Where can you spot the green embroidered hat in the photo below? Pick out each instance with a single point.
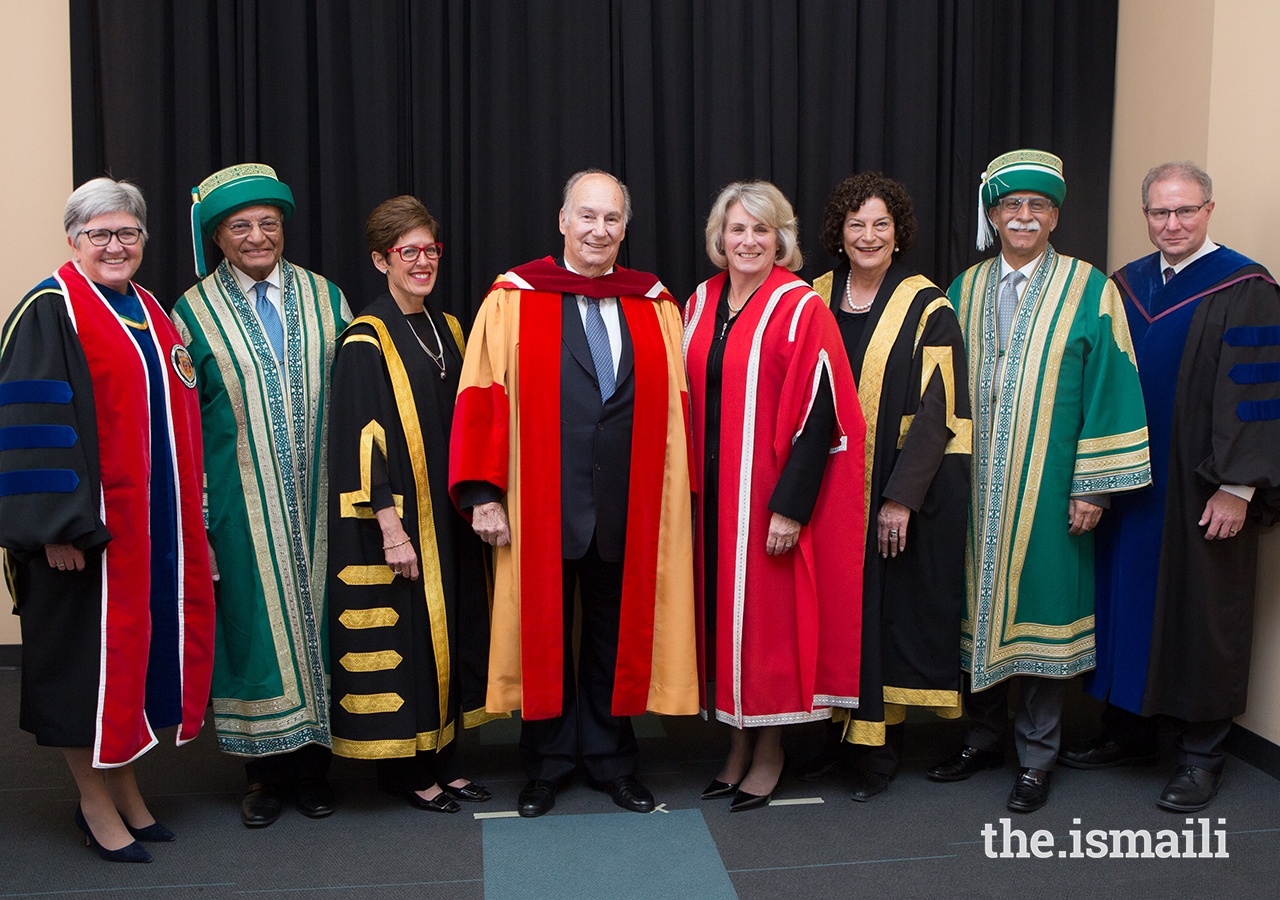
(1017, 170)
(231, 189)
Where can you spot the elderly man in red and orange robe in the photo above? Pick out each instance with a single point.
(570, 451)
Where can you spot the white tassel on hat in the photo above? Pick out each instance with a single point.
(985, 235)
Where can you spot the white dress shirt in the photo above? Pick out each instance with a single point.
(273, 288)
(609, 312)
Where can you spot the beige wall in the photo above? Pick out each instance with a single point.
(35, 155)
(1198, 79)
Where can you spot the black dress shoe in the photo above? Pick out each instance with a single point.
(536, 798)
(261, 806)
(468, 793)
(867, 784)
(1190, 789)
(718, 789)
(441, 802)
(1104, 753)
(742, 801)
(627, 792)
(314, 798)
(1030, 791)
(965, 763)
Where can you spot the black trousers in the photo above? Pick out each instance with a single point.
(309, 762)
(586, 732)
(1199, 743)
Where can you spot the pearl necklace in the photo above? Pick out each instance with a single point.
(848, 295)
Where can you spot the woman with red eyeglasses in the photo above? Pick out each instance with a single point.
(408, 606)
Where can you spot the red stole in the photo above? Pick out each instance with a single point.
(120, 392)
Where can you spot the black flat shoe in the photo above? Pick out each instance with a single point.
(261, 805)
(965, 763)
(1030, 790)
(1104, 753)
(441, 802)
(130, 853)
(742, 801)
(869, 784)
(154, 833)
(718, 789)
(537, 798)
(1190, 789)
(627, 792)
(314, 798)
(468, 793)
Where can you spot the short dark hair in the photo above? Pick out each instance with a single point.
(856, 190)
(395, 217)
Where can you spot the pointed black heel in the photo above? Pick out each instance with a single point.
(132, 853)
(742, 801)
(718, 789)
(154, 833)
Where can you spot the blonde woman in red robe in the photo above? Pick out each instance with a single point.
(778, 448)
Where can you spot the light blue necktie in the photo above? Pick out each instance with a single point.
(271, 323)
(601, 352)
(1007, 306)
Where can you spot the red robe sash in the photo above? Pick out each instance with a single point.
(479, 451)
(120, 393)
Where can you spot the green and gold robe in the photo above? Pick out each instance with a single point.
(266, 492)
(1062, 418)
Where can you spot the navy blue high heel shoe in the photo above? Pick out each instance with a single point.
(134, 853)
(154, 833)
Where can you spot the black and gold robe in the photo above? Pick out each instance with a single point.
(909, 363)
(408, 658)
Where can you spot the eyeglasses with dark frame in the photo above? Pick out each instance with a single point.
(1159, 215)
(241, 227)
(1038, 205)
(409, 252)
(100, 237)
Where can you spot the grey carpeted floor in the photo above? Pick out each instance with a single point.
(918, 840)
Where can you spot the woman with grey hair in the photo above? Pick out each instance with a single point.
(777, 435)
(100, 516)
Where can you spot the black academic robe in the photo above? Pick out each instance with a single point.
(1208, 352)
(918, 447)
(409, 658)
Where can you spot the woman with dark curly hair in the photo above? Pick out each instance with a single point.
(905, 346)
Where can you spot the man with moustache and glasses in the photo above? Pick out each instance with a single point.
(1059, 426)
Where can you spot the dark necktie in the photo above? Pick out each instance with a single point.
(601, 352)
(271, 323)
(1168, 274)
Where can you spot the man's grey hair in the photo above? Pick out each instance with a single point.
(1184, 169)
(578, 176)
(101, 196)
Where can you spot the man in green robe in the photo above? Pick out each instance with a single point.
(261, 334)
(1059, 426)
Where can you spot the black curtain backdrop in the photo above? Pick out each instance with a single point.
(483, 110)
